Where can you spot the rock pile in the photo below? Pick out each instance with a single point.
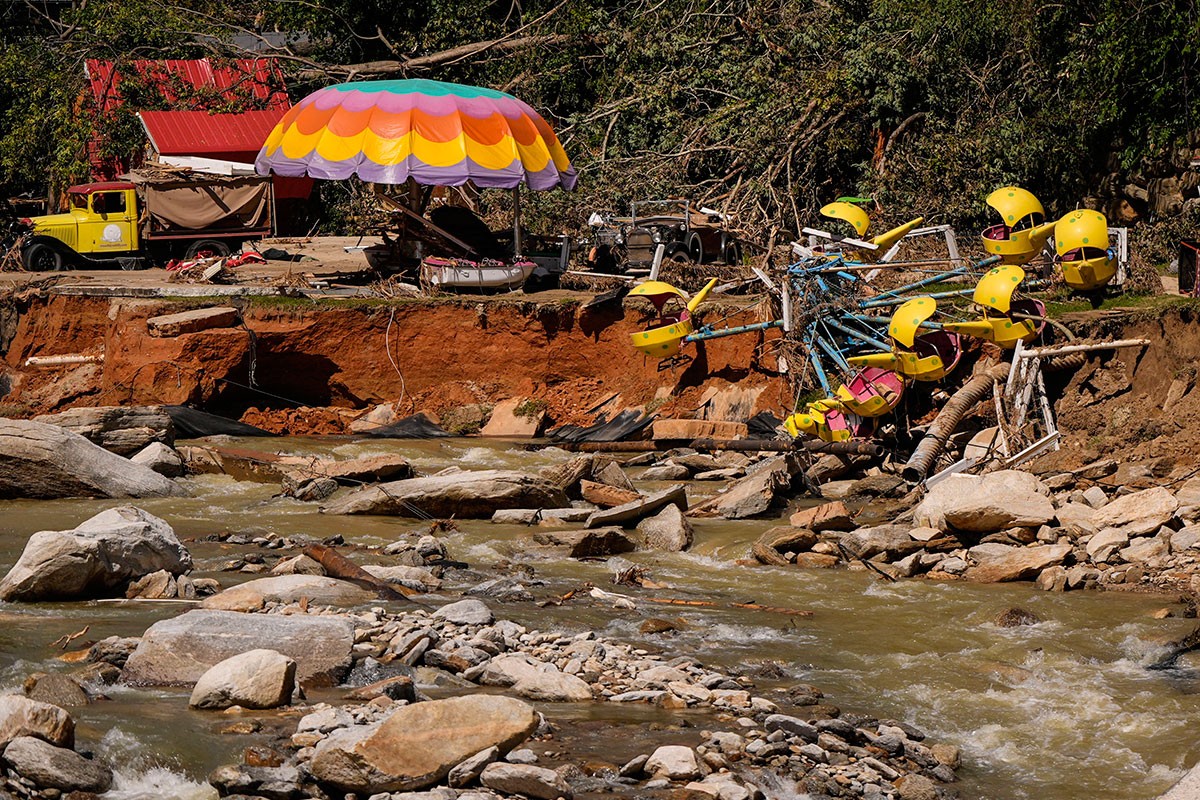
(1009, 526)
(463, 747)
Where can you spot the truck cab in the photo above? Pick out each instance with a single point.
(150, 217)
(100, 222)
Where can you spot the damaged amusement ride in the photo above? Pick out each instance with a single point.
(863, 330)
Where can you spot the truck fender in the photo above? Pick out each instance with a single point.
(70, 257)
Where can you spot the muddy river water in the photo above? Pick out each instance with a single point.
(1060, 710)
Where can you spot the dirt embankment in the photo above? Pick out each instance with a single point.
(291, 354)
(1139, 403)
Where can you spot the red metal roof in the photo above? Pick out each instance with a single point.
(104, 186)
(198, 133)
(249, 78)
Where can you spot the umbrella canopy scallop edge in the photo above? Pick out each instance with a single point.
(436, 133)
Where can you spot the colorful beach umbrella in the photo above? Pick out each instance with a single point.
(436, 133)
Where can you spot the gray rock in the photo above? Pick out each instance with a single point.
(56, 689)
(298, 565)
(890, 540)
(1185, 539)
(1020, 563)
(21, 716)
(177, 651)
(637, 509)
(1139, 512)
(319, 590)
(44, 461)
(753, 495)
(594, 543)
(254, 679)
(666, 472)
(509, 668)
(1076, 518)
(468, 771)
(462, 495)
(99, 556)
(793, 726)
(1095, 497)
(985, 503)
(674, 762)
(51, 767)
(417, 578)
(525, 779)
(530, 516)
(419, 744)
(553, 687)
(466, 612)
(160, 458)
(1101, 547)
(667, 530)
(123, 430)
(1147, 548)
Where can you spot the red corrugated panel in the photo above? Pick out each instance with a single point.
(259, 77)
(197, 133)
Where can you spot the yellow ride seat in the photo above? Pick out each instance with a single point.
(1081, 241)
(1022, 231)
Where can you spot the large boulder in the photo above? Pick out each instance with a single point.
(178, 651)
(95, 559)
(21, 716)
(44, 461)
(985, 503)
(254, 679)
(753, 495)
(253, 595)
(51, 767)
(162, 459)
(123, 430)
(469, 494)
(418, 745)
(667, 530)
(1138, 513)
(1018, 563)
(526, 780)
(638, 508)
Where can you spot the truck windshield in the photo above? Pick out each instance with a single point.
(79, 201)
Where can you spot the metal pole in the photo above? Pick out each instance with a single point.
(757, 326)
(1083, 348)
(516, 221)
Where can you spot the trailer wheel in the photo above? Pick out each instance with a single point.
(39, 257)
(206, 248)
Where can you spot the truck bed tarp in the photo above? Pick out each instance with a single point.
(211, 202)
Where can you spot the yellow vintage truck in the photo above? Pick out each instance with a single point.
(149, 219)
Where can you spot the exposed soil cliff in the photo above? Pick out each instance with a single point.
(292, 353)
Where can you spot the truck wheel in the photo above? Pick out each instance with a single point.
(680, 257)
(39, 257)
(206, 248)
(733, 253)
(696, 248)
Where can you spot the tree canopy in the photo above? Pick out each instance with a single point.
(766, 107)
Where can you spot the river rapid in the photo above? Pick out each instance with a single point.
(1060, 710)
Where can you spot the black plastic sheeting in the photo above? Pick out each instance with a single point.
(619, 428)
(191, 423)
(417, 426)
(763, 424)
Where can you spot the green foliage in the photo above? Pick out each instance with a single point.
(768, 108)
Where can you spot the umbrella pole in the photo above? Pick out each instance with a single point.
(516, 221)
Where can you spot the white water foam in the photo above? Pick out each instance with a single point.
(136, 776)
